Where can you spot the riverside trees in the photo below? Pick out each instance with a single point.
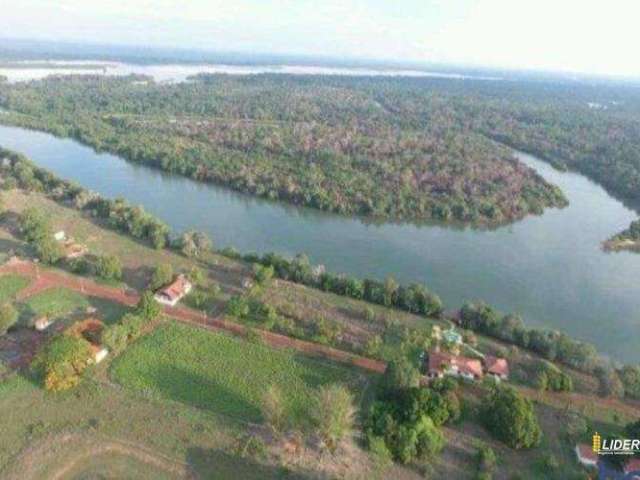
(393, 149)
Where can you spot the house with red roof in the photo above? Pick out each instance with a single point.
(174, 292)
(497, 367)
(586, 456)
(439, 364)
(633, 465)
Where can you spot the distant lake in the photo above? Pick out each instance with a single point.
(548, 268)
(170, 73)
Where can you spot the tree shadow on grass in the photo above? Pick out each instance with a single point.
(215, 464)
(179, 384)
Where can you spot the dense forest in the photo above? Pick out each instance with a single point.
(405, 149)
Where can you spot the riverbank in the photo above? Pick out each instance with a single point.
(528, 267)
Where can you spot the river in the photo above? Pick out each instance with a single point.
(549, 268)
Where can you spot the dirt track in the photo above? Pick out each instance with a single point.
(45, 279)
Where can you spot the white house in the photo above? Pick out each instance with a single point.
(42, 323)
(174, 292)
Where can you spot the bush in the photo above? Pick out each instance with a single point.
(400, 374)
(8, 317)
(147, 307)
(162, 275)
(486, 460)
(238, 307)
(63, 362)
(262, 274)
(273, 409)
(511, 418)
(108, 267)
(551, 378)
(630, 378)
(333, 414)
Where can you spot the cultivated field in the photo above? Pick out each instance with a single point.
(222, 374)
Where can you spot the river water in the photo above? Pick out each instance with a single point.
(548, 268)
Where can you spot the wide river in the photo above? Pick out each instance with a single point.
(549, 268)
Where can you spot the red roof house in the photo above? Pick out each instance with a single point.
(498, 367)
(443, 363)
(632, 465)
(173, 293)
(586, 455)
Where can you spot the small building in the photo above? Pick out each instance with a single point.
(452, 337)
(42, 323)
(498, 367)
(632, 466)
(74, 250)
(99, 353)
(60, 236)
(440, 364)
(174, 292)
(247, 283)
(586, 456)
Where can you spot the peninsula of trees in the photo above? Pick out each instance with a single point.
(392, 149)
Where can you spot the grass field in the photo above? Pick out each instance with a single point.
(222, 374)
(10, 285)
(58, 302)
(34, 444)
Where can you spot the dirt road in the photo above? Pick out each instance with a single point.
(44, 279)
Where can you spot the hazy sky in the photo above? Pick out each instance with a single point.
(599, 36)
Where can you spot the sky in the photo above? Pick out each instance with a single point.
(588, 36)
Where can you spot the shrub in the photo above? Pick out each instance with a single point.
(262, 273)
(147, 307)
(333, 414)
(486, 460)
(400, 374)
(108, 267)
(8, 317)
(273, 409)
(238, 307)
(63, 362)
(162, 275)
(511, 418)
(630, 378)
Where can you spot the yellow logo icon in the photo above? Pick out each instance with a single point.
(597, 442)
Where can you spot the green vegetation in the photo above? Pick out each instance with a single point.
(628, 239)
(8, 317)
(118, 214)
(38, 233)
(11, 284)
(389, 148)
(162, 275)
(63, 361)
(407, 419)
(549, 344)
(108, 267)
(511, 418)
(549, 377)
(333, 413)
(56, 302)
(219, 373)
(414, 298)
